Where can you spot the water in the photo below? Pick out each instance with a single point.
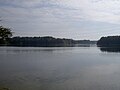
(59, 68)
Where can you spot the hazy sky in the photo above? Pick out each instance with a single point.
(77, 19)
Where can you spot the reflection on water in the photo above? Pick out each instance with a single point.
(59, 68)
(32, 49)
(110, 49)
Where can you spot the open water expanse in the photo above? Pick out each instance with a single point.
(59, 68)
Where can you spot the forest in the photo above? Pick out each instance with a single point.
(6, 39)
(109, 41)
(40, 41)
(46, 41)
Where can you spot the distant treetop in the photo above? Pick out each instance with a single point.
(5, 33)
(109, 41)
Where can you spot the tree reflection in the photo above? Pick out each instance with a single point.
(110, 49)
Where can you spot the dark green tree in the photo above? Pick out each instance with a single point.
(5, 34)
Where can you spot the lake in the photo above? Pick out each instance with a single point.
(59, 68)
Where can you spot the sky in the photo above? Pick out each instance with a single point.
(75, 19)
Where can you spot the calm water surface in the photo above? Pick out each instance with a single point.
(62, 68)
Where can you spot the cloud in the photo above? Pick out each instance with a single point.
(94, 10)
(59, 16)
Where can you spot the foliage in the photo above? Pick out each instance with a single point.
(109, 41)
(46, 42)
(5, 32)
(40, 41)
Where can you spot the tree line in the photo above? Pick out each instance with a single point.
(109, 41)
(47, 41)
(40, 41)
